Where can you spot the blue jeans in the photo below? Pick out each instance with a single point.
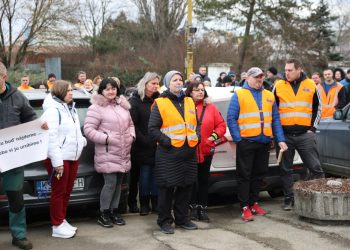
(147, 182)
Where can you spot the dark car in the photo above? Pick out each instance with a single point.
(88, 182)
(223, 178)
(333, 142)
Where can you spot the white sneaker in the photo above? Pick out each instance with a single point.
(69, 225)
(62, 231)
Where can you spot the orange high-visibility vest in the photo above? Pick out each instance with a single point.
(25, 87)
(249, 120)
(330, 100)
(295, 109)
(174, 126)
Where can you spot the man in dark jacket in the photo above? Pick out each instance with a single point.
(299, 106)
(14, 109)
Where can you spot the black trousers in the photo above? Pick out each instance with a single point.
(200, 188)
(181, 196)
(306, 146)
(133, 184)
(252, 159)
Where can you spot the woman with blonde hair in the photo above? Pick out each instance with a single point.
(144, 149)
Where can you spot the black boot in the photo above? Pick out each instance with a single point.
(154, 202)
(203, 213)
(144, 205)
(22, 243)
(116, 218)
(194, 212)
(104, 219)
(133, 208)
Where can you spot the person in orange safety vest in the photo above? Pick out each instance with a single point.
(173, 124)
(332, 94)
(299, 106)
(252, 119)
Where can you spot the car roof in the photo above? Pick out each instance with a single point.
(221, 93)
(40, 94)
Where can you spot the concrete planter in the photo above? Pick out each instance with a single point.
(314, 201)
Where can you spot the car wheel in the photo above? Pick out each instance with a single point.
(274, 193)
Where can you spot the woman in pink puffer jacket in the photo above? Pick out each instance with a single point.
(109, 125)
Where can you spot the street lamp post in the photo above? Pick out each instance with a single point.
(190, 31)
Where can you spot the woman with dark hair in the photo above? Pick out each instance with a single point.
(173, 125)
(65, 146)
(220, 82)
(338, 74)
(108, 124)
(144, 149)
(212, 127)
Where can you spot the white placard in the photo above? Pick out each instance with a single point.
(23, 144)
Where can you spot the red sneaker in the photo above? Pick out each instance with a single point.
(256, 209)
(247, 214)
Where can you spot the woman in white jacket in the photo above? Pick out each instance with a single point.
(66, 143)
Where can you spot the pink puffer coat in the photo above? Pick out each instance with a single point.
(110, 121)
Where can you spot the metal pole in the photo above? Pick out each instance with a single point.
(189, 41)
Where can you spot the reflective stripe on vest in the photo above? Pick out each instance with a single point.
(249, 121)
(330, 100)
(174, 126)
(295, 109)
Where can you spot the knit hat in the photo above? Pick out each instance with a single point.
(169, 75)
(273, 70)
(254, 72)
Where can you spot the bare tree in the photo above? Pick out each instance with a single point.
(94, 14)
(25, 23)
(162, 17)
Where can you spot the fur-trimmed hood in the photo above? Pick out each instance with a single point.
(103, 101)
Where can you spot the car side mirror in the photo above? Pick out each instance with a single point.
(338, 115)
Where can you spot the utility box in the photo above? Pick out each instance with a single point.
(214, 70)
(53, 65)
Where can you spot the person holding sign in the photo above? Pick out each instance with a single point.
(66, 143)
(252, 119)
(14, 109)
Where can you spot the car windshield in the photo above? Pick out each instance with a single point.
(222, 107)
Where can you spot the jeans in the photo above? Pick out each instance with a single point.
(147, 182)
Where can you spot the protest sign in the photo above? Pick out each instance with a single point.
(23, 144)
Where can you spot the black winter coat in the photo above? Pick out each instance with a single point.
(144, 148)
(15, 108)
(174, 166)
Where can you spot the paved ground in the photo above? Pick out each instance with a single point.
(277, 230)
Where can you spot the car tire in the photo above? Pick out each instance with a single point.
(274, 193)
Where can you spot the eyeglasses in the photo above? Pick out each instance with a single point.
(197, 90)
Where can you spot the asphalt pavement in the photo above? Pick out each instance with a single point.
(277, 230)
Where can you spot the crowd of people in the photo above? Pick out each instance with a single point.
(166, 139)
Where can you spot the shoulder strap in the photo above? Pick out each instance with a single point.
(59, 117)
(202, 115)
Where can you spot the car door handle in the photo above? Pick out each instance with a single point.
(318, 131)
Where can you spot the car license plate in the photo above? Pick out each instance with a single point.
(43, 187)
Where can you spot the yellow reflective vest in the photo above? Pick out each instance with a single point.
(174, 126)
(249, 120)
(295, 109)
